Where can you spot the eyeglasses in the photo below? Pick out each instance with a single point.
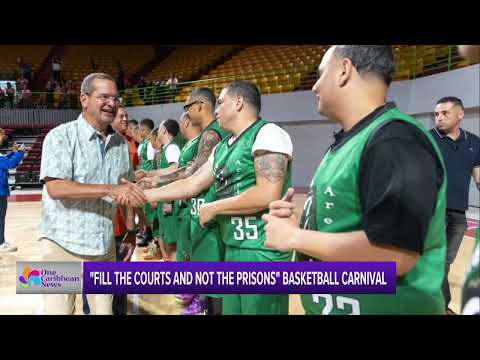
(187, 106)
(105, 98)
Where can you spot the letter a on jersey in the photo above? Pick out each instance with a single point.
(329, 191)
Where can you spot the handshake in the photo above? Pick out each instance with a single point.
(132, 194)
(128, 194)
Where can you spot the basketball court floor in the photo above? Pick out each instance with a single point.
(22, 229)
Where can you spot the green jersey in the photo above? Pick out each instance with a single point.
(181, 209)
(471, 287)
(163, 160)
(167, 222)
(197, 232)
(333, 206)
(146, 164)
(234, 171)
(187, 155)
(189, 152)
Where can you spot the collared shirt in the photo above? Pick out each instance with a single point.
(461, 156)
(76, 151)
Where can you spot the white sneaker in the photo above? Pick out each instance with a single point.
(5, 247)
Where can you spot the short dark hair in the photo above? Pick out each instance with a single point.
(206, 94)
(453, 99)
(155, 132)
(171, 126)
(373, 59)
(249, 91)
(133, 122)
(148, 123)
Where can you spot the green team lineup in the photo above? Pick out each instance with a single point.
(218, 186)
(234, 182)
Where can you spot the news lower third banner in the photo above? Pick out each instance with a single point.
(239, 277)
(208, 278)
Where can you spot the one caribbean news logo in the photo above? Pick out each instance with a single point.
(30, 277)
(49, 277)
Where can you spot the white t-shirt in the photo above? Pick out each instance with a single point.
(172, 153)
(150, 151)
(271, 137)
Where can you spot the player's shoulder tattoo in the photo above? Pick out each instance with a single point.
(272, 166)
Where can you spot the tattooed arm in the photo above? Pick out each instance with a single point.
(206, 144)
(270, 170)
(185, 188)
(153, 181)
(173, 168)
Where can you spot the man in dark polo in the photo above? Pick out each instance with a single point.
(461, 152)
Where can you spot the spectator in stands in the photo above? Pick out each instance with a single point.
(3, 98)
(28, 72)
(172, 80)
(172, 84)
(57, 96)
(71, 95)
(22, 81)
(21, 67)
(24, 70)
(10, 161)
(57, 69)
(26, 97)
(49, 88)
(10, 95)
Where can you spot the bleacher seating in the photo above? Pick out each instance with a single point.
(275, 68)
(77, 61)
(186, 61)
(31, 54)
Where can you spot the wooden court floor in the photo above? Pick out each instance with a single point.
(22, 229)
